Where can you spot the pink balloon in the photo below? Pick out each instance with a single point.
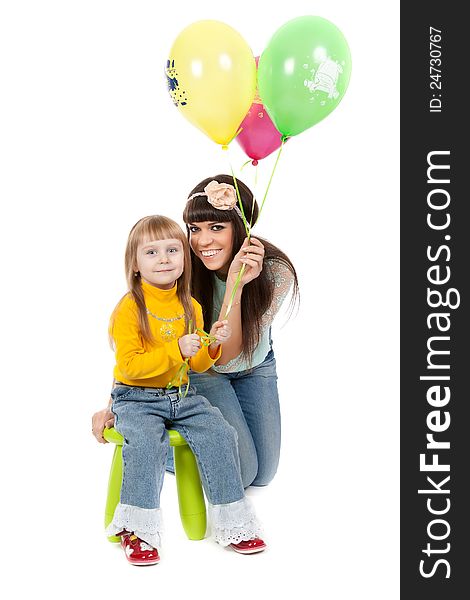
(259, 137)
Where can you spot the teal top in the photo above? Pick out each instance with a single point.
(283, 279)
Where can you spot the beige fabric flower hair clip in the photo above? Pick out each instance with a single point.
(221, 196)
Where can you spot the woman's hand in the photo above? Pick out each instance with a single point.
(189, 344)
(222, 331)
(251, 254)
(100, 420)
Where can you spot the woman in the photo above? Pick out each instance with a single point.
(243, 383)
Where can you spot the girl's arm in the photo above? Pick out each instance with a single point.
(132, 358)
(251, 254)
(207, 355)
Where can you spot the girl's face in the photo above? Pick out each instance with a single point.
(212, 242)
(160, 262)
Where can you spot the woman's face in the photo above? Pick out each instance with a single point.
(212, 242)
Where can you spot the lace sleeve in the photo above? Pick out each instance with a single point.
(283, 280)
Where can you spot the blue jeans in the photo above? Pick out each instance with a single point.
(249, 402)
(141, 416)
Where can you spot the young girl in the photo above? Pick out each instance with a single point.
(151, 330)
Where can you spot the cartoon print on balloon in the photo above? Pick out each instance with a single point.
(324, 79)
(177, 95)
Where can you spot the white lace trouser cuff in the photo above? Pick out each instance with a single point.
(233, 523)
(145, 523)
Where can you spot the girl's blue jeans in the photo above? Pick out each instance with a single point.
(142, 415)
(249, 402)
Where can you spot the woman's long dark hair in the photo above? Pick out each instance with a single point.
(258, 294)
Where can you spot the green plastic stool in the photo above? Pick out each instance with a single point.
(190, 496)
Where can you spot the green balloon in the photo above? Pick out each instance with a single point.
(303, 73)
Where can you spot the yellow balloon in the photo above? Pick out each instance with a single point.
(211, 76)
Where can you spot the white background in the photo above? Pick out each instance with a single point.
(90, 142)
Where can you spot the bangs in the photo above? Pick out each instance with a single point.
(198, 210)
(157, 227)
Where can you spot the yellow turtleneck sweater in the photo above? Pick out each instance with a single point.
(154, 365)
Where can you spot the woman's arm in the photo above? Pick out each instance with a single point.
(283, 280)
(251, 254)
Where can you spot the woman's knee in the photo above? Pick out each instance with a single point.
(265, 474)
(248, 473)
(226, 433)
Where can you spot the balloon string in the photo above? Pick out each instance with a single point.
(272, 174)
(248, 235)
(240, 203)
(177, 381)
(235, 287)
(206, 338)
(254, 188)
(248, 227)
(254, 196)
(182, 371)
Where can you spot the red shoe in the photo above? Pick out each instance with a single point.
(137, 551)
(250, 546)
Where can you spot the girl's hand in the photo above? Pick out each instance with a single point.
(189, 344)
(222, 331)
(100, 420)
(251, 254)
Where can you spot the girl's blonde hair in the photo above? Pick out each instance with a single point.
(155, 227)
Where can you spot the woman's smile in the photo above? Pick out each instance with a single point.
(209, 253)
